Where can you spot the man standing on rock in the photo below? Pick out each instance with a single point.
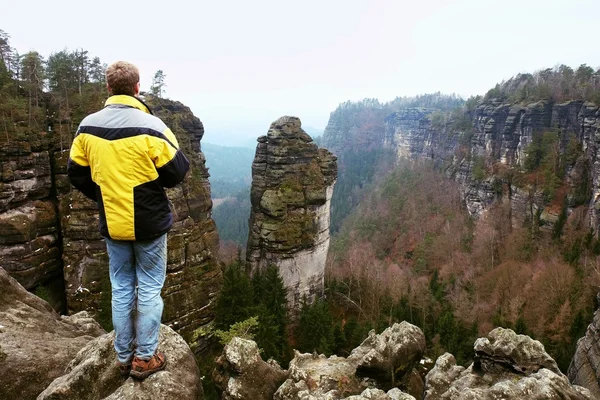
(123, 157)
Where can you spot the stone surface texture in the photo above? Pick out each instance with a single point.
(36, 344)
(241, 373)
(292, 185)
(29, 230)
(389, 357)
(94, 375)
(585, 365)
(506, 366)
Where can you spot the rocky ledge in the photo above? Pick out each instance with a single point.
(93, 374)
(506, 366)
(36, 344)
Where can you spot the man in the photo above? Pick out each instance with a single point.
(123, 157)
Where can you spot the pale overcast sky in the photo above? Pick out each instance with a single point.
(239, 65)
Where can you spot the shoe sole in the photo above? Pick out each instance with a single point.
(145, 374)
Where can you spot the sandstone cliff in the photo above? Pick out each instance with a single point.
(497, 134)
(36, 344)
(585, 366)
(292, 185)
(49, 231)
(30, 240)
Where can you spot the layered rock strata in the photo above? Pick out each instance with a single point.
(30, 247)
(292, 185)
(36, 344)
(94, 375)
(497, 133)
(506, 366)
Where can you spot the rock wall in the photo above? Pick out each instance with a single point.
(499, 134)
(292, 185)
(30, 245)
(49, 230)
(585, 365)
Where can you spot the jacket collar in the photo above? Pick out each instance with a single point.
(129, 101)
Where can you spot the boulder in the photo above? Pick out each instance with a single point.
(507, 366)
(319, 377)
(242, 374)
(36, 344)
(389, 358)
(94, 375)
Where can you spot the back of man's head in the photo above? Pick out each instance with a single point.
(122, 78)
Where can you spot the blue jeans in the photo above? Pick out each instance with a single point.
(136, 312)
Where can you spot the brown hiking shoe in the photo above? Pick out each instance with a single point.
(141, 369)
(124, 368)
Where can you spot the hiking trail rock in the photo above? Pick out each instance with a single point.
(94, 375)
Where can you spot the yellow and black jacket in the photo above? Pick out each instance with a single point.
(123, 157)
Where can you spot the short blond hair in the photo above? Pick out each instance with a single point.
(121, 78)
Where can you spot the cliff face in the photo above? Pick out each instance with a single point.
(292, 185)
(585, 366)
(49, 231)
(497, 135)
(29, 232)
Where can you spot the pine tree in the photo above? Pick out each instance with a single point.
(234, 303)
(158, 83)
(315, 331)
(270, 299)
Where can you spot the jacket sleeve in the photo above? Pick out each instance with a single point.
(171, 164)
(79, 171)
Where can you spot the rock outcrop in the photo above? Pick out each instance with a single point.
(93, 374)
(242, 374)
(390, 357)
(49, 231)
(506, 366)
(36, 344)
(292, 185)
(29, 230)
(585, 365)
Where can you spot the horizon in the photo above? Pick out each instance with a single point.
(241, 66)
